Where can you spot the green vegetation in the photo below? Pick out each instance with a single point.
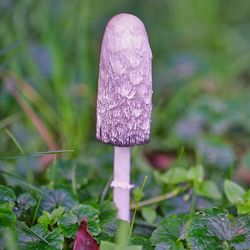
(53, 173)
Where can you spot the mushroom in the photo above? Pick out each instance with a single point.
(124, 100)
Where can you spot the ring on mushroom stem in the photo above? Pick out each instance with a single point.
(121, 184)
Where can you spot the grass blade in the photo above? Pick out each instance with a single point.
(8, 120)
(36, 154)
(19, 223)
(16, 142)
(20, 179)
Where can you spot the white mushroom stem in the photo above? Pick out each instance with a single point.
(121, 182)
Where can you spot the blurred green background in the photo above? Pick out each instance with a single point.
(49, 55)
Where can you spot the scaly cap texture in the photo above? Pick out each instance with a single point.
(124, 101)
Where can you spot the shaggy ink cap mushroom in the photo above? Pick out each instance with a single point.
(124, 101)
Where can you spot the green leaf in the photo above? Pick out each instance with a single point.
(209, 189)
(45, 219)
(170, 246)
(196, 174)
(92, 216)
(234, 192)
(56, 215)
(25, 201)
(52, 240)
(109, 229)
(6, 194)
(141, 241)
(7, 216)
(243, 208)
(53, 199)
(108, 211)
(246, 197)
(68, 224)
(207, 229)
(169, 231)
(212, 227)
(149, 214)
(105, 245)
(241, 237)
(175, 175)
(109, 223)
(51, 219)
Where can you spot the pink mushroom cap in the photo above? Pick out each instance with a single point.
(124, 101)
